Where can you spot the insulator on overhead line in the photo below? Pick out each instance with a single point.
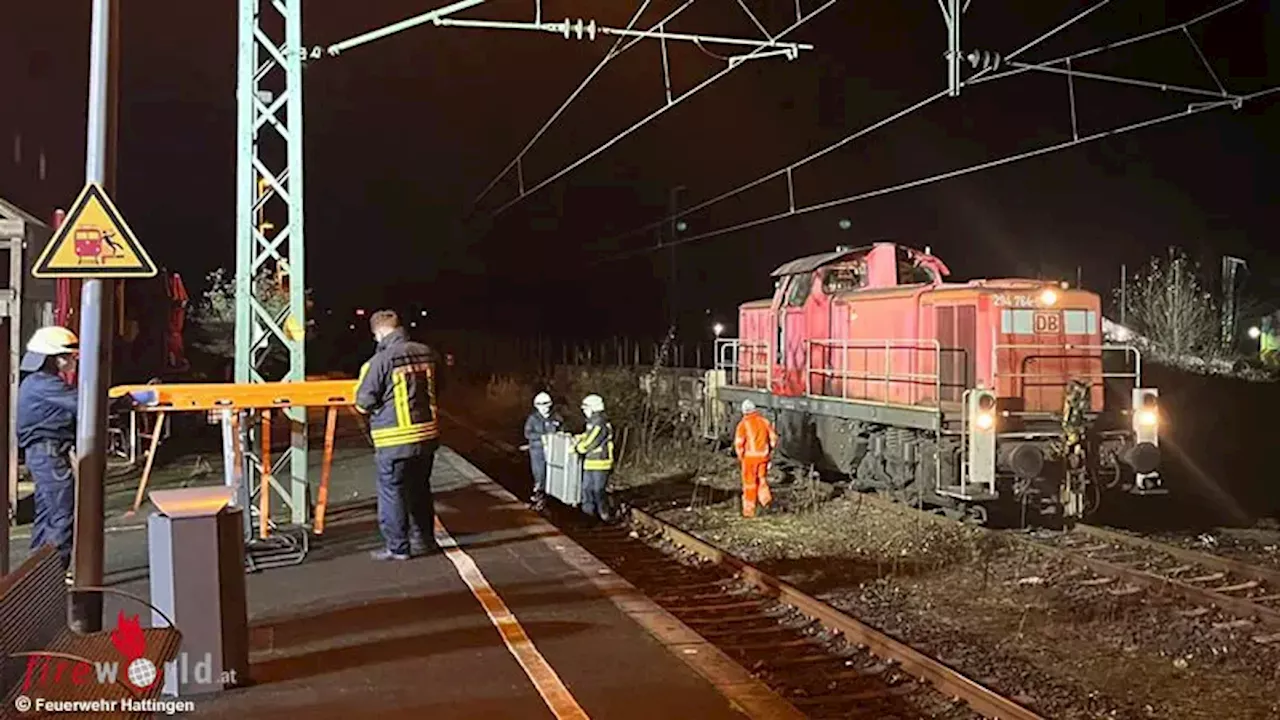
(984, 59)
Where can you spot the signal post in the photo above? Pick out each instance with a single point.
(96, 245)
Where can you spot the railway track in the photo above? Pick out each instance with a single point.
(1126, 564)
(1250, 592)
(826, 663)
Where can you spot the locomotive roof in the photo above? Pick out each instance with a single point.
(809, 263)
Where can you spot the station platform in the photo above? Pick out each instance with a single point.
(512, 620)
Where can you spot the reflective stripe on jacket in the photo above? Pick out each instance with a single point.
(596, 444)
(397, 389)
(755, 437)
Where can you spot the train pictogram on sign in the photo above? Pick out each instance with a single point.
(94, 241)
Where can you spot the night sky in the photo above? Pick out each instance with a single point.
(402, 133)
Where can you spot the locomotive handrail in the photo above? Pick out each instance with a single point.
(1107, 347)
(728, 359)
(888, 346)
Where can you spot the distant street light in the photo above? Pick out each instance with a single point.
(717, 329)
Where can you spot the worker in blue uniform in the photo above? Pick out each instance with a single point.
(397, 390)
(46, 433)
(595, 445)
(541, 422)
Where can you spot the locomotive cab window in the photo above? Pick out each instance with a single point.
(909, 273)
(798, 289)
(844, 278)
(1079, 322)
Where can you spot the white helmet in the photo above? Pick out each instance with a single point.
(748, 406)
(45, 343)
(542, 400)
(53, 340)
(593, 404)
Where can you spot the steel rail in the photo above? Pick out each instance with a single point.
(945, 679)
(1217, 562)
(1195, 593)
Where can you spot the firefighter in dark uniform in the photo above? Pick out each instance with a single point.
(595, 445)
(540, 423)
(46, 432)
(397, 389)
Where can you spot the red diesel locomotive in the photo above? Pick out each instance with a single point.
(962, 396)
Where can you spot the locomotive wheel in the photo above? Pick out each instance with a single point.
(976, 514)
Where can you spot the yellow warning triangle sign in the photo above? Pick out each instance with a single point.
(94, 242)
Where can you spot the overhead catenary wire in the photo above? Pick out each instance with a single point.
(1194, 109)
(982, 76)
(621, 45)
(757, 52)
(894, 117)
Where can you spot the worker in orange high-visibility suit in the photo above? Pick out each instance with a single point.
(754, 442)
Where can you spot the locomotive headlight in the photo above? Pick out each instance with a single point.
(1148, 418)
(1048, 297)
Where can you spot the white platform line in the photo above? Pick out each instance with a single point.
(549, 685)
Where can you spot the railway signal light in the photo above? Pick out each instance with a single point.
(980, 460)
(1146, 414)
(984, 60)
(1144, 456)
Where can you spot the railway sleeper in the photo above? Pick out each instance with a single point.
(752, 647)
(1246, 585)
(672, 597)
(775, 662)
(717, 607)
(754, 617)
(1206, 578)
(775, 629)
(862, 696)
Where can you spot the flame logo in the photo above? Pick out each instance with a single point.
(128, 638)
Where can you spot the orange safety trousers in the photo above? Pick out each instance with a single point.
(755, 485)
(754, 442)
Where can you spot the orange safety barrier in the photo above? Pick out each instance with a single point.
(259, 397)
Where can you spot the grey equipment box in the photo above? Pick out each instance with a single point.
(564, 469)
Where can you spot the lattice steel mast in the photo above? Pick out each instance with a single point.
(269, 167)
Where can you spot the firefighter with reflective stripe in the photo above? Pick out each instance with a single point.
(754, 442)
(1268, 346)
(540, 423)
(397, 390)
(595, 445)
(46, 432)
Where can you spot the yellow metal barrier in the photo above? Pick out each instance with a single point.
(232, 399)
